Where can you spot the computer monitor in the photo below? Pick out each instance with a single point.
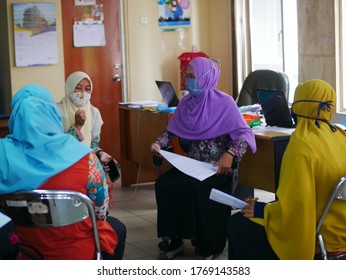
(275, 108)
(168, 93)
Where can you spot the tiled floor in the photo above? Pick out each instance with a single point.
(136, 208)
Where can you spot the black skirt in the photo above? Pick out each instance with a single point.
(185, 210)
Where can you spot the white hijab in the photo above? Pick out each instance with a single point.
(68, 109)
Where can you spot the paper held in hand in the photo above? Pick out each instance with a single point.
(4, 219)
(226, 199)
(194, 168)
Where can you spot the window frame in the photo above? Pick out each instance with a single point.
(245, 47)
(340, 55)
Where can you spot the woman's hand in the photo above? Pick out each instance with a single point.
(104, 158)
(155, 149)
(224, 163)
(80, 118)
(248, 210)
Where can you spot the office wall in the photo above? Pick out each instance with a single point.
(153, 54)
(5, 79)
(316, 39)
(49, 76)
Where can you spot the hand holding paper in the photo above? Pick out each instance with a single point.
(194, 168)
(226, 199)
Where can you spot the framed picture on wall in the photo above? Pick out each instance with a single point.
(35, 38)
(173, 14)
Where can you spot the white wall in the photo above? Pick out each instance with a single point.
(153, 54)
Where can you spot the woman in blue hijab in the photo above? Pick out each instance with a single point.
(37, 154)
(217, 132)
(35, 132)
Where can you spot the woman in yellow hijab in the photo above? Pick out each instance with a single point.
(312, 164)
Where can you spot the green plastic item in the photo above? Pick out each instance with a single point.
(255, 123)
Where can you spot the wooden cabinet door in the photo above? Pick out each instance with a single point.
(99, 63)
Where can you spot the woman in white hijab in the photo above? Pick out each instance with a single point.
(81, 119)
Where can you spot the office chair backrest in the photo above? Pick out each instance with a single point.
(261, 79)
(50, 208)
(339, 193)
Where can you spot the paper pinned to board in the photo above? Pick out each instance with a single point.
(226, 199)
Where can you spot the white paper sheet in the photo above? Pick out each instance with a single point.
(89, 35)
(4, 219)
(226, 199)
(194, 168)
(138, 104)
(288, 131)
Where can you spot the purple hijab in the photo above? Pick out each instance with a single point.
(211, 114)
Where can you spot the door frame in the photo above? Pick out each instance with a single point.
(122, 36)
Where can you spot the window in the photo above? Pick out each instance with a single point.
(340, 44)
(271, 26)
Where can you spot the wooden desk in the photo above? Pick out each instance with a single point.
(139, 129)
(3, 127)
(262, 169)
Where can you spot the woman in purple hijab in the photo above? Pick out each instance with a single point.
(217, 133)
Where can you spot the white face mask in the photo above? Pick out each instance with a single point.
(79, 99)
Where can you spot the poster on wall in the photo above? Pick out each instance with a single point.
(35, 38)
(173, 14)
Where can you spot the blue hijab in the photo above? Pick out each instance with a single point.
(36, 148)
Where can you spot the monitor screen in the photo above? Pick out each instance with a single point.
(275, 107)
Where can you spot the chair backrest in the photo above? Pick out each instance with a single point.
(261, 79)
(50, 208)
(339, 193)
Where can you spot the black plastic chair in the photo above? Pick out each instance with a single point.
(262, 79)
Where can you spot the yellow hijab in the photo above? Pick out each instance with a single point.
(68, 109)
(312, 164)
